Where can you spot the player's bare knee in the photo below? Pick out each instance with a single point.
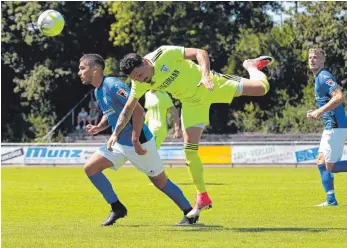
(159, 181)
(91, 169)
(320, 159)
(88, 169)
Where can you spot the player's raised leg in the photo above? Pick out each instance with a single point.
(93, 168)
(257, 84)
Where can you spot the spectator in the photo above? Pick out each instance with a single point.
(82, 117)
(92, 104)
(93, 116)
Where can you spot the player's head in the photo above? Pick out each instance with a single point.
(91, 65)
(316, 58)
(136, 67)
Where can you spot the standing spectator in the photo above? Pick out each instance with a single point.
(82, 117)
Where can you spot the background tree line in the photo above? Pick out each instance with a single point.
(39, 74)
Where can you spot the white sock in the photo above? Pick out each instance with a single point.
(255, 74)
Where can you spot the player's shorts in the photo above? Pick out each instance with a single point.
(150, 163)
(197, 111)
(332, 144)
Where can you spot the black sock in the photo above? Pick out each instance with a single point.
(187, 211)
(117, 205)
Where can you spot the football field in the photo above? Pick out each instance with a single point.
(252, 207)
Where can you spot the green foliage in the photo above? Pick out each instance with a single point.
(39, 74)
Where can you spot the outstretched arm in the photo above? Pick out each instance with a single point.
(176, 117)
(123, 120)
(203, 60)
(125, 115)
(137, 120)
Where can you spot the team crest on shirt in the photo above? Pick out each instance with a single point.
(164, 68)
(122, 93)
(330, 82)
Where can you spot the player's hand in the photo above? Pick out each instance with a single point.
(138, 147)
(207, 82)
(92, 130)
(178, 133)
(314, 114)
(113, 139)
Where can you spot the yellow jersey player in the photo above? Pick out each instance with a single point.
(158, 104)
(171, 69)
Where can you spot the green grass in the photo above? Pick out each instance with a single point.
(253, 207)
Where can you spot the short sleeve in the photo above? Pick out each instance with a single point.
(175, 52)
(328, 83)
(167, 100)
(138, 89)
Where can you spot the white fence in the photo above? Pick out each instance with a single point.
(233, 153)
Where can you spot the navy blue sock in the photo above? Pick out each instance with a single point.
(340, 166)
(101, 182)
(176, 194)
(328, 182)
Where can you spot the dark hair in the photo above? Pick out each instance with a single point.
(93, 59)
(130, 62)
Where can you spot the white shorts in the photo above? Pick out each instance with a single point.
(150, 163)
(332, 144)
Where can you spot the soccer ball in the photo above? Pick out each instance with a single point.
(51, 22)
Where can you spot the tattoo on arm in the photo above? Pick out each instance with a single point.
(125, 115)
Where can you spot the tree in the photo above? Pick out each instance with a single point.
(40, 75)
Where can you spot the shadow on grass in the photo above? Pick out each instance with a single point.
(217, 184)
(207, 228)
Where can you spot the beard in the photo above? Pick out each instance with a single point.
(88, 81)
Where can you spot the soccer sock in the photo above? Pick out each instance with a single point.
(328, 182)
(101, 182)
(176, 194)
(255, 74)
(194, 166)
(340, 166)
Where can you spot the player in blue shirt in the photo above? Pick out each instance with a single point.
(135, 143)
(329, 100)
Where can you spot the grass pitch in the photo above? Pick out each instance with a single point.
(252, 207)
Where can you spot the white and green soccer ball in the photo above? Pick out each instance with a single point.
(51, 22)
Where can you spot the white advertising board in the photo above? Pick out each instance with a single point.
(47, 154)
(262, 154)
(277, 154)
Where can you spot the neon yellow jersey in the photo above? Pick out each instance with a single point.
(173, 74)
(157, 104)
